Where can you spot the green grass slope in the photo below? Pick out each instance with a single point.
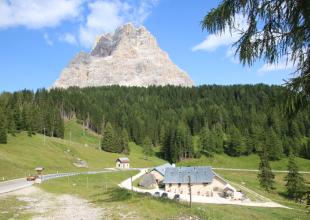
(78, 134)
(22, 154)
(243, 162)
(102, 190)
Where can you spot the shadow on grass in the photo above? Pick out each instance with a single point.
(123, 195)
(112, 195)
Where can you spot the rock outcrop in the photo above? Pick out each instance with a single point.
(129, 57)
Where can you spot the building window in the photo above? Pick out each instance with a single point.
(205, 184)
(170, 184)
(179, 184)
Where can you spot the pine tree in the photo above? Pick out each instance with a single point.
(206, 142)
(211, 141)
(3, 132)
(274, 145)
(259, 40)
(121, 142)
(147, 147)
(107, 143)
(265, 175)
(125, 142)
(235, 145)
(11, 123)
(294, 180)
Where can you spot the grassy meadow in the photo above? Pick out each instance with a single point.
(22, 153)
(250, 181)
(102, 190)
(245, 162)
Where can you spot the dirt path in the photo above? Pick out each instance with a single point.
(50, 206)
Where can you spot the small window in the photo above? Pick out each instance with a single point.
(170, 184)
(179, 184)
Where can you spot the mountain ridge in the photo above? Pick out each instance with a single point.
(129, 56)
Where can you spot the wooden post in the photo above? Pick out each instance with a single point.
(190, 191)
(44, 136)
(70, 139)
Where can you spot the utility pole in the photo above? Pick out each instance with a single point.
(44, 135)
(70, 138)
(131, 184)
(190, 191)
(87, 183)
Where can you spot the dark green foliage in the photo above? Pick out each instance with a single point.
(3, 132)
(148, 147)
(244, 117)
(34, 113)
(275, 30)
(265, 175)
(178, 144)
(294, 181)
(125, 142)
(114, 141)
(273, 145)
(305, 150)
(235, 145)
(211, 141)
(108, 139)
(121, 142)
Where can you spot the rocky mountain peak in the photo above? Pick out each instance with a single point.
(128, 56)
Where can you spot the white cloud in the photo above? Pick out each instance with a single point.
(92, 17)
(227, 38)
(281, 65)
(68, 38)
(106, 15)
(37, 14)
(231, 54)
(47, 39)
(212, 42)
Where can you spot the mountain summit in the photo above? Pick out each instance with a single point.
(129, 56)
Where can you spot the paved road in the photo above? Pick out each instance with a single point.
(16, 184)
(12, 185)
(253, 170)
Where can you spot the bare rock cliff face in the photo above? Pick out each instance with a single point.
(129, 57)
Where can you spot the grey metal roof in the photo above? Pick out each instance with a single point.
(147, 180)
(123, 159)
(161, 169)
(199, 174)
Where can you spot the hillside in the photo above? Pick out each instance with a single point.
(22, 153)
(243, 162)
(236, 120)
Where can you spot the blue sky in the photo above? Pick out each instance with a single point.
(39, 37)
